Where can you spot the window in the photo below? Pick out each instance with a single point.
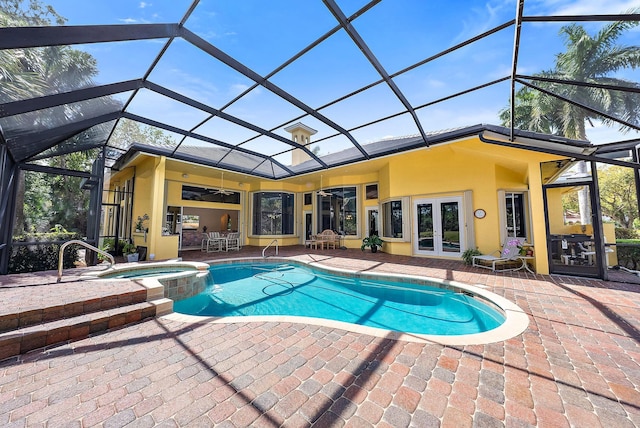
(337, 210)
(371, 191)
(392, 217)
(307, 198)
(192, 193)
(190, 222)
(514, 216)
(273, 213)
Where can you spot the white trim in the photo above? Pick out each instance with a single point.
(302, 126)
(469, 219)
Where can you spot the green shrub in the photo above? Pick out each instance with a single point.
(108, 245)
(624, 233)
(39, 254)
(628, 253)
(467, 256)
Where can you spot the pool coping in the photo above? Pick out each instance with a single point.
(131, 267)
(516, 320)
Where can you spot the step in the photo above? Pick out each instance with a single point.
(30, 317)
(29, 338)
(24, 306)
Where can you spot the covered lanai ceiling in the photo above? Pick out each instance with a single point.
(216, 83)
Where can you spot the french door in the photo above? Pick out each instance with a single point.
(438, 227)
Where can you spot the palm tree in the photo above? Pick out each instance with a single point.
(33, 72)
(588, 59)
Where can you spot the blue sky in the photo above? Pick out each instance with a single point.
(263, 34)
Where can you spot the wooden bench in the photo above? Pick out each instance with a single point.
(328, 238)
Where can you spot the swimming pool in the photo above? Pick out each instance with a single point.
(391, 304)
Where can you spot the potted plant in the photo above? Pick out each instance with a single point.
(131, 252)
(468, 255)
(372, 241)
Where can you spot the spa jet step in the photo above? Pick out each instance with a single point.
(49, 334)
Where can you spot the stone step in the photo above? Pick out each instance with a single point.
(26, 315)
(55, 332)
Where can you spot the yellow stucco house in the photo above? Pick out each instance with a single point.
(466, 189)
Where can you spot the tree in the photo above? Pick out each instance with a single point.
(21, 69)
(588, 59)
(618, 195)
(45, 200)
(129, 132)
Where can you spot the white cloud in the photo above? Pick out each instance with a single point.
(481, 19)
(128, 20)
(434, 83)
(238, 88)
(581, 7)
(600, 133)
(144, 4)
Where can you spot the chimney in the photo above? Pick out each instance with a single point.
(301, 134)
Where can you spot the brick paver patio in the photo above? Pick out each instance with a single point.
(577, 364)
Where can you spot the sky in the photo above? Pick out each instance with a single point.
(264, 34)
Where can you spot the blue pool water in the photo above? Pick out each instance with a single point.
(284, 289)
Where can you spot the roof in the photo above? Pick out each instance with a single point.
(218, 84)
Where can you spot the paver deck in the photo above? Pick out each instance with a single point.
(577, 364)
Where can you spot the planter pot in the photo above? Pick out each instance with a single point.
(132, 257)
(374, 248)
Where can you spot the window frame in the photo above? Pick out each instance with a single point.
(307, 196)
(343, 214)
(209, 195)
(291, 216)
(405, 218)
(504, 195)
(366, 191)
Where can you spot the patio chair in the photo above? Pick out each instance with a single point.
(233, 241)
(587, 253)
(509, 257)
(215, 242)
(205, 242)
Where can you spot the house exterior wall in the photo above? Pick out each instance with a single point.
(464, 167)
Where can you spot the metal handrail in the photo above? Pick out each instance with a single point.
(84, 244)
(267, 247)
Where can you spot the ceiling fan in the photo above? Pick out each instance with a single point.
(321, 192)
(222, 190)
